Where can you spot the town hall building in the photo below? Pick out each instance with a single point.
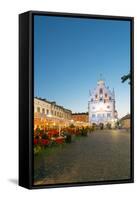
(101, 106)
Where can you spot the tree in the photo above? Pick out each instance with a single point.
(126, 77)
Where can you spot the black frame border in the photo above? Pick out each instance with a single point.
(26, 51)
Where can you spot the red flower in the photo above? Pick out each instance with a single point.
(35, 141)
(44, 142)
(53, 132)
(59, 140)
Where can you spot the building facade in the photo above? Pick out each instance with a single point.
(48, 112)
(81, 117)
(49, 108)
(125, 121)
(101, 105)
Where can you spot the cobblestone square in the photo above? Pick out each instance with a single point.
(102, 155)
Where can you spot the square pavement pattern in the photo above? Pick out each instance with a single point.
(103, 155)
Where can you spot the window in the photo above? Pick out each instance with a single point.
(93, 107)
(108, 115)
(43, 110)
(109, 98)
(96, 96)
(91, 99)
(47, 111)
(100, 99)
(93, 115)
(38, 109)
(101, 91)
(108, 107)
(106, 95)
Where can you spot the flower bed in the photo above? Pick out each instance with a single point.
(48, 138)
(44, 142)
(58, 140)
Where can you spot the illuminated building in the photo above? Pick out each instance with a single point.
(81, 117)
(49, 113)
(101, 105)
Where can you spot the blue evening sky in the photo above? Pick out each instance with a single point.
(71, 53)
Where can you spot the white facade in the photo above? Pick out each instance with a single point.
(101, 105)
(47, 108)
(41, 106)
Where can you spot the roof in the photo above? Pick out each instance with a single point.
(53, 103)
(45, 100)
(125, 117)
(83, 113)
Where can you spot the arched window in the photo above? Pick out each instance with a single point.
(43, 110)
(101, 91)
(100, 99)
